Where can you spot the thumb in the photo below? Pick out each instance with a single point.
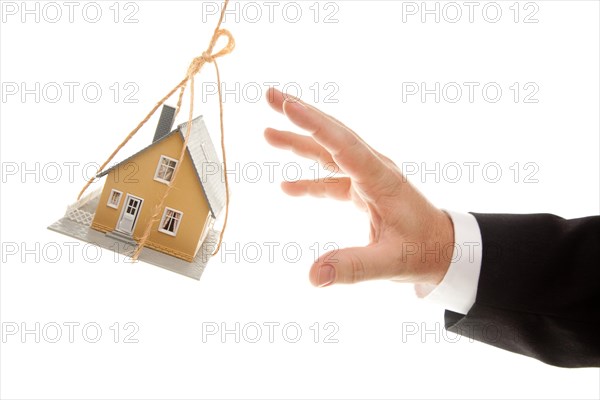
(350, 265)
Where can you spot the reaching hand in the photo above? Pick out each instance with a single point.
(409, 238)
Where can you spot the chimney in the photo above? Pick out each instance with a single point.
(165, 123)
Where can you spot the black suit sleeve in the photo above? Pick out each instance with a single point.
(539, 288)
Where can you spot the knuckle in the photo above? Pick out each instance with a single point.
(320, 132)
(324, 157)
(384, 186)
(357, 269)
(348, 150)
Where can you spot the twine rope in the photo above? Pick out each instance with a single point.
(195, 66)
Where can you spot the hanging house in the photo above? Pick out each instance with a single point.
(135, 186)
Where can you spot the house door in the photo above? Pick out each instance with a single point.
(129, 215)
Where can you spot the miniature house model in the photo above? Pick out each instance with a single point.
(115, 217)
(135, 186)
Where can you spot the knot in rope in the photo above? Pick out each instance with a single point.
(208, 56)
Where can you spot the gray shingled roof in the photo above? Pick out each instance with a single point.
(208, 168)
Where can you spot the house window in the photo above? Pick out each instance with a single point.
(165, 169)
(170, 221)
(114, 199)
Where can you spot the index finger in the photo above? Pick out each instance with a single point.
(349, 151)
(276, 98)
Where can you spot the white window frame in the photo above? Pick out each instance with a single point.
(111, 205)
(162, 221)
(160, 161)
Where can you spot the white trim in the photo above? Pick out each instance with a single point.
(109, 204)
(127, 196)
(156, 178)
(204, 151)
(162, 220)
(209, 221)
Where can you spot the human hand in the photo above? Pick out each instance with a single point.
(399, 213)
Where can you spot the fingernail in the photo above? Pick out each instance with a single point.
(325, 275)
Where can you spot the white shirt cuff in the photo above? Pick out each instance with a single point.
(458, 290)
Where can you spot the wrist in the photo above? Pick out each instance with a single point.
(442, 240)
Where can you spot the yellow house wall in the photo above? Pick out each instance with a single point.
(136, 177)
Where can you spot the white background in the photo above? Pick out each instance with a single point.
(367, 54)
